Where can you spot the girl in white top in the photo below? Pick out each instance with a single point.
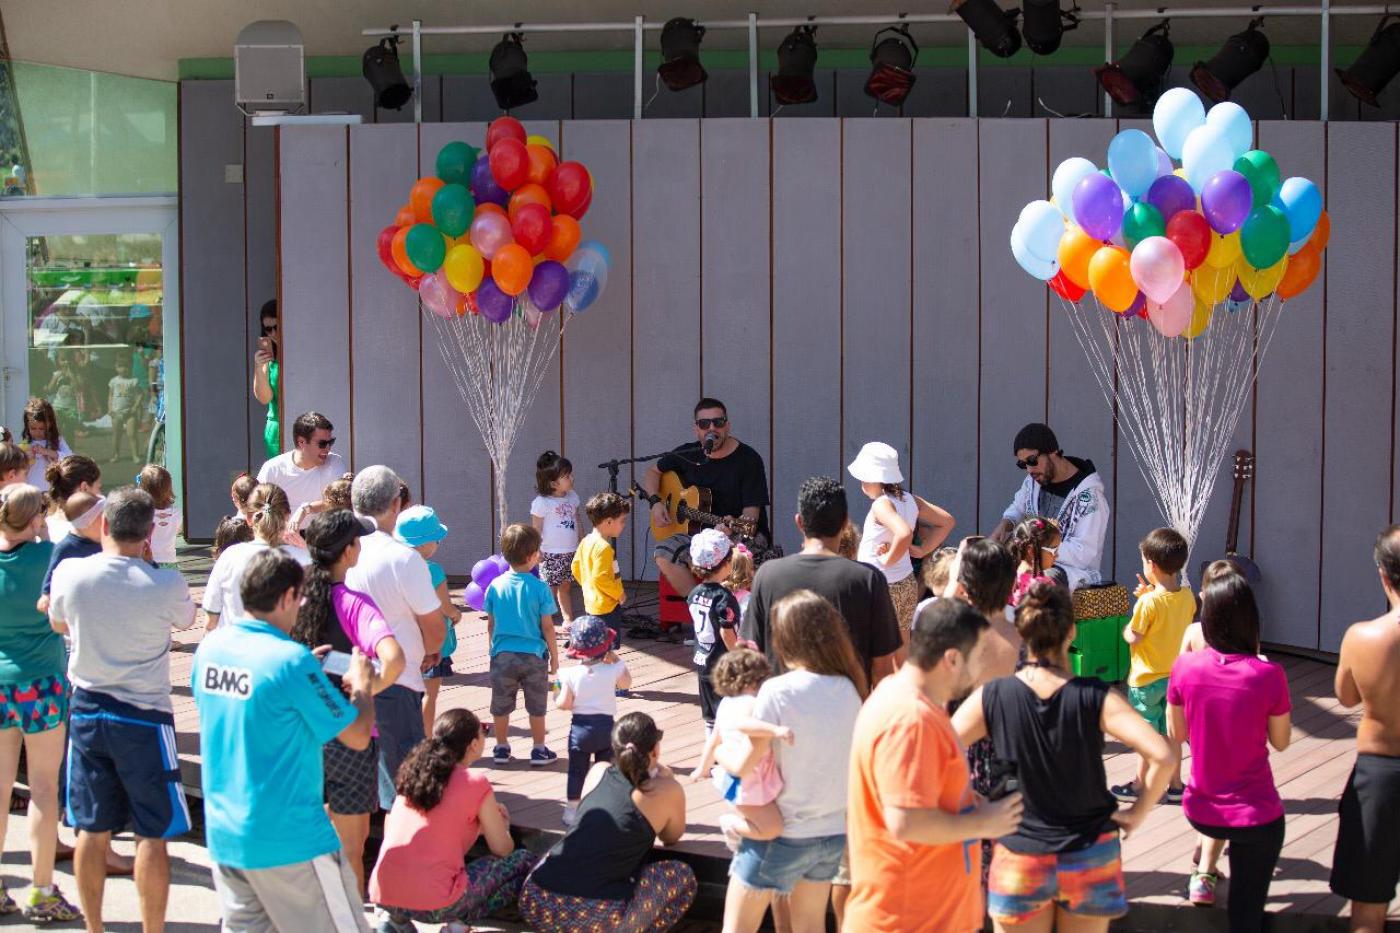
(554, 513)
(42, 440)
(589, 690)
(889, 539)
(156, 481)
(270, 514)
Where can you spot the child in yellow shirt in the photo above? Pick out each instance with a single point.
(1161, 615)
(595, 562)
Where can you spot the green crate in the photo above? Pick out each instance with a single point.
(1098, 649)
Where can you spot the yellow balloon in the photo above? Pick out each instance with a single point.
(1224, 250)
(1179, 172)
(463, 267)
(1200, 320)
(539, 141)
(1212, 285)
(1260, 282)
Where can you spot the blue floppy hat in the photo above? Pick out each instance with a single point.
(419, 524)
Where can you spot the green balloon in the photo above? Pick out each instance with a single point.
(426, 247)
(455, 161)
(452, 210)
(1264, 236)
(1261, 171)
(1142, 221)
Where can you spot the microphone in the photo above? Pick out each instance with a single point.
(710, 442)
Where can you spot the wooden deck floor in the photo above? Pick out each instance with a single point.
(1310, 774)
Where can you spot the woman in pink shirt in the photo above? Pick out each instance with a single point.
(441, 809)
(1230, 704)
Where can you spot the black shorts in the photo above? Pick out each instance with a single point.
(1366, 863)
(352, 778)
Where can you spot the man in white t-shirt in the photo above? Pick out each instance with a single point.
(307, 468)
(396, 577)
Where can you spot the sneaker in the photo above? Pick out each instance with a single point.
(1174, 795)
(1202, 889)
(1128, 793)
(688, 641)
(385, 922)
(541, 756)
(43, 908)
(623, 694)
(7, 903)
(570, 814)
(455, 926)
(501, 754)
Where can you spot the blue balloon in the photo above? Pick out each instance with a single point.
(1042, 225)
(1234, 121)
(583, 291)
(1039, 268)
(1301, 203)
(1132, 158)
(1177, 113)
(1206, 152)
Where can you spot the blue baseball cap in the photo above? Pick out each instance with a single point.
(419, 524)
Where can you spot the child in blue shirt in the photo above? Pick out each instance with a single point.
(524, 656)
(419, 527)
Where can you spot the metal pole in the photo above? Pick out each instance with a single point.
(1325, 60)
(417, 71)
(1108, 52)
(753, 64)
(971, 74)
(638, 25)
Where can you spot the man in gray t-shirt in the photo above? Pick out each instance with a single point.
(119, 611)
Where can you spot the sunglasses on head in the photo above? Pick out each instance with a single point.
(705, 424)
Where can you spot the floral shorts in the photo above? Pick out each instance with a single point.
(36, 706)
(556, 568)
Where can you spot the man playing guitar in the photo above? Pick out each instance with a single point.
(716, 460)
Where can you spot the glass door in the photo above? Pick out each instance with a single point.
(91, 330)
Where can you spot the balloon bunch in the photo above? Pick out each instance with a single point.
(1169, 243)
(483, 572)
(496, 233)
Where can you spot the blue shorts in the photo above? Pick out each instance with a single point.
(122, 769)
(778, 864)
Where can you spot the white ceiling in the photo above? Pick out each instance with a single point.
(149, 37)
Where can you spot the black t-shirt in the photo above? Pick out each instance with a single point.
(735, 482)
(712, 607)
(858, 591)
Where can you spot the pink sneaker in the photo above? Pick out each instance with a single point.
(1202, 889)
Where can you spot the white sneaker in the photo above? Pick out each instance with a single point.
(455, 926)
(570, 814)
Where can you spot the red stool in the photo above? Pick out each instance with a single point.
(674, 610)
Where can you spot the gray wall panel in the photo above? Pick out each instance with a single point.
(727, 94)
(216, 368)
(823, 106)
(260, 252)
(851, 99)
(1357, 458)
(1070, 91)
(469, 97)
(938, 92)
(603, 96)
(660, 102)
(345, 94)
(1005, 92)
(432, 104)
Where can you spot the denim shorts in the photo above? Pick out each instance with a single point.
(777, 865)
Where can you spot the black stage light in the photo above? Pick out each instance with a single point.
(1377, 64)
(680, 53)
(1043, 23)
(381, 69)
(797, 60)
(994, 27)
(892, 65)
(1242, 55)
(510, 74)
(1136, 78)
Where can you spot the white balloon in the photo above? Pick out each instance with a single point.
(1178, 112)
(1206, 152)
(1034, 265)
(1067, 175)
(1232, 118)
(1043, 225)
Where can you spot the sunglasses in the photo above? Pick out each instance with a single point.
(705, 424)
(269, 329)
(326, 444)
(1032, 460)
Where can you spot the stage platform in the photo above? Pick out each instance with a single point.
(1311, 775)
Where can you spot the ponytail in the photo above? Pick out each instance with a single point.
(20, 503)
(65, 476)
(634, 738)
(271, 512)
(424, 774)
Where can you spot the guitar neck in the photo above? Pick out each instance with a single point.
(695, 515)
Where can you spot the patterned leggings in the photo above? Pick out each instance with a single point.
(664, 893)
(492, 883)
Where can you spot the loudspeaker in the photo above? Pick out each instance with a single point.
(269, 66)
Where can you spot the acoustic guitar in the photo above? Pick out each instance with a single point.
(687, 506)
(1244, 471)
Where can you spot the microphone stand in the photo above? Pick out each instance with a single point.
(615, 466)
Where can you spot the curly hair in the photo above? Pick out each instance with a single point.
(423, 776)
(317, 614)
(1029, 539)
(739, 671)
(336, 494)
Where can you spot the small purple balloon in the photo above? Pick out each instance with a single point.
(502, 565)
(1170, 194)
(1164, 162)
(475, 596)
(1226, 200)
(549, 285)
(1238, 293)
(1098, 205)
(495, 305)
(483, 184)
(1138, 308)
(483, 572)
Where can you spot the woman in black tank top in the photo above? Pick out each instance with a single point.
(598, 876)
(1048, 731)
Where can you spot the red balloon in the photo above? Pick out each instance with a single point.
(504, 128)
(1191, 234)
(578, 212)
(510, 163)
(384, 246)
(1065, 288)
(570, 188)
(532, 228)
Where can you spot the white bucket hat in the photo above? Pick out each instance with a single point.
(876, 463)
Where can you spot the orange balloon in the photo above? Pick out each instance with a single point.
(421, 198)
(511, 268)
(1076, 249)
(563, 239)
(1322, 233)
(531, 193)
(489, 207)
(542, 161)
(1112, 279)
(1302, 268)
(404, 217)
(400, 251)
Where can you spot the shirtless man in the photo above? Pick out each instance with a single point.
(1366, 865)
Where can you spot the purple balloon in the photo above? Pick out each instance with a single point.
(495, 305)
(483, 184)
(1238, 293)
(475, 596)
(1098, 205)
(1170, 194)
(549, 285)
(502, 565)
(1226, 200)
(1138, 308)
(483, 572)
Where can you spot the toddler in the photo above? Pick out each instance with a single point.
(589, 690)
(239, 493)
(753, 794)
(419, 527)
(741, 571)
(848, 542)
(156, 480)
(714, 611)
(935, 572)
(336, 494)
(1033, 543)
(232, 530)
(595, 561)
(124, 407)
(83, 510)
(554, 513)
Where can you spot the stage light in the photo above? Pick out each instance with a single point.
(680, 54)
(1043, 23)
(892, 65)
(1242, 55)
(1377, 65)
(994, 27)
(510, 74)
(381, 69)
(1136, 78)
(797, 60)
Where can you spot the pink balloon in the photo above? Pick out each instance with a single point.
(1172, 316)
(1158, 268)
(437, 296)
(489, 232)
